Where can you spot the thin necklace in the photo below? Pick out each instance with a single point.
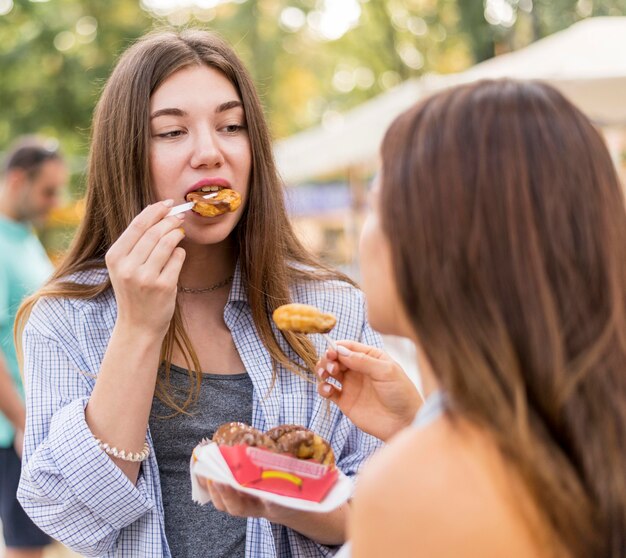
(212, 288)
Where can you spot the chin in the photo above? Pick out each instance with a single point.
(379, 318)
(206, 239)
(386, 316)
(209, 233)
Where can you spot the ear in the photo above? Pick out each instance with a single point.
(15, 179)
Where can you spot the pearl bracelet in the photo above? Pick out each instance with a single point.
(123, 455)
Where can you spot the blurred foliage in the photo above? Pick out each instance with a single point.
(496, 26)
(55, 55)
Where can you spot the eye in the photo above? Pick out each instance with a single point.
(233, 128)
(171, 134)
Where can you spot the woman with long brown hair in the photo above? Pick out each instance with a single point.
(155, 329)
(497, 242)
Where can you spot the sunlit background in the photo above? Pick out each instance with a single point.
(313, 61)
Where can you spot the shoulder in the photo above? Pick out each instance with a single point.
(62, 316)
(442, 490)
(345, 301)
(326, 294)
(94, 276)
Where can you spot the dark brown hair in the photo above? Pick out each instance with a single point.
(509, 253)
(119, 187)
(29, 153)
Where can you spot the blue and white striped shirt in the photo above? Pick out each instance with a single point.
(76, 493)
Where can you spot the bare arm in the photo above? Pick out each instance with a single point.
(324, 528)
(11, 404)
(144, 264)
(435, 492)
(119, 408)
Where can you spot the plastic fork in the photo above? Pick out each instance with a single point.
(188, 205)
(330, 342)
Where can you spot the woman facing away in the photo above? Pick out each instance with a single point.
(497, 243)
(155, 329)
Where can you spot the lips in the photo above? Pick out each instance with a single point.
(207, 185)
(224, 201)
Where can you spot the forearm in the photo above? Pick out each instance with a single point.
(119, 407)
(324, 528)
(11, 404)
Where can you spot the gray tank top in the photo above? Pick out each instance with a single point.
(198, 531)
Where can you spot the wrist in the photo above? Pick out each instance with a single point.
(388, 429)
(413, 409)
(279, 514)
(141, 350)
(145, 338)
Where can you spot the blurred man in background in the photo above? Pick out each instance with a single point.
(33, 178)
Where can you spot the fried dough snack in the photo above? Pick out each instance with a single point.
(288, 439)
(227, 200)
(282, 429)
(234, 433)
(302, 443)
(302, 318)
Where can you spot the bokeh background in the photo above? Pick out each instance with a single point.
(313, 61)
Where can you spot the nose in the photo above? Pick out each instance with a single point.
(206, 151)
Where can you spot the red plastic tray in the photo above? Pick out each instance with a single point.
(280, 474)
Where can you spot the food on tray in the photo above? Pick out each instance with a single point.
(234, 433)
(282, 429)
(224, 201)
(302, 443)
(288, 460)
(287, 439)
(302, 318)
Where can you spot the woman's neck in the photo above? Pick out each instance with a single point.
(206, 265)
(427, 376)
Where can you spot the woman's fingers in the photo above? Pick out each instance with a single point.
(329, 391)
(356, 347)
(171, 271)
(216, 497)
(330, 363)
(204, 482)
(162, 252)
(373, 363)
(151, 239)
(351, 355)
(237, 503)
(150, 216)
(331, 372)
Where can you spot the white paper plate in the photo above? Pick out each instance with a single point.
(211, 465)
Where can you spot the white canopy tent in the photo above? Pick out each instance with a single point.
(587, 62)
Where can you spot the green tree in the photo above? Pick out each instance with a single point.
(532, 20)
(55, 55)
(480, 34)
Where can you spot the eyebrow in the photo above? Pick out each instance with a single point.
(228, 106)
(178, 112)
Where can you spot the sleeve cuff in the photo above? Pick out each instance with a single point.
(90, 474)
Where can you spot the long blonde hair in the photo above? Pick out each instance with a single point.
(119, 187)
(509, 250)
